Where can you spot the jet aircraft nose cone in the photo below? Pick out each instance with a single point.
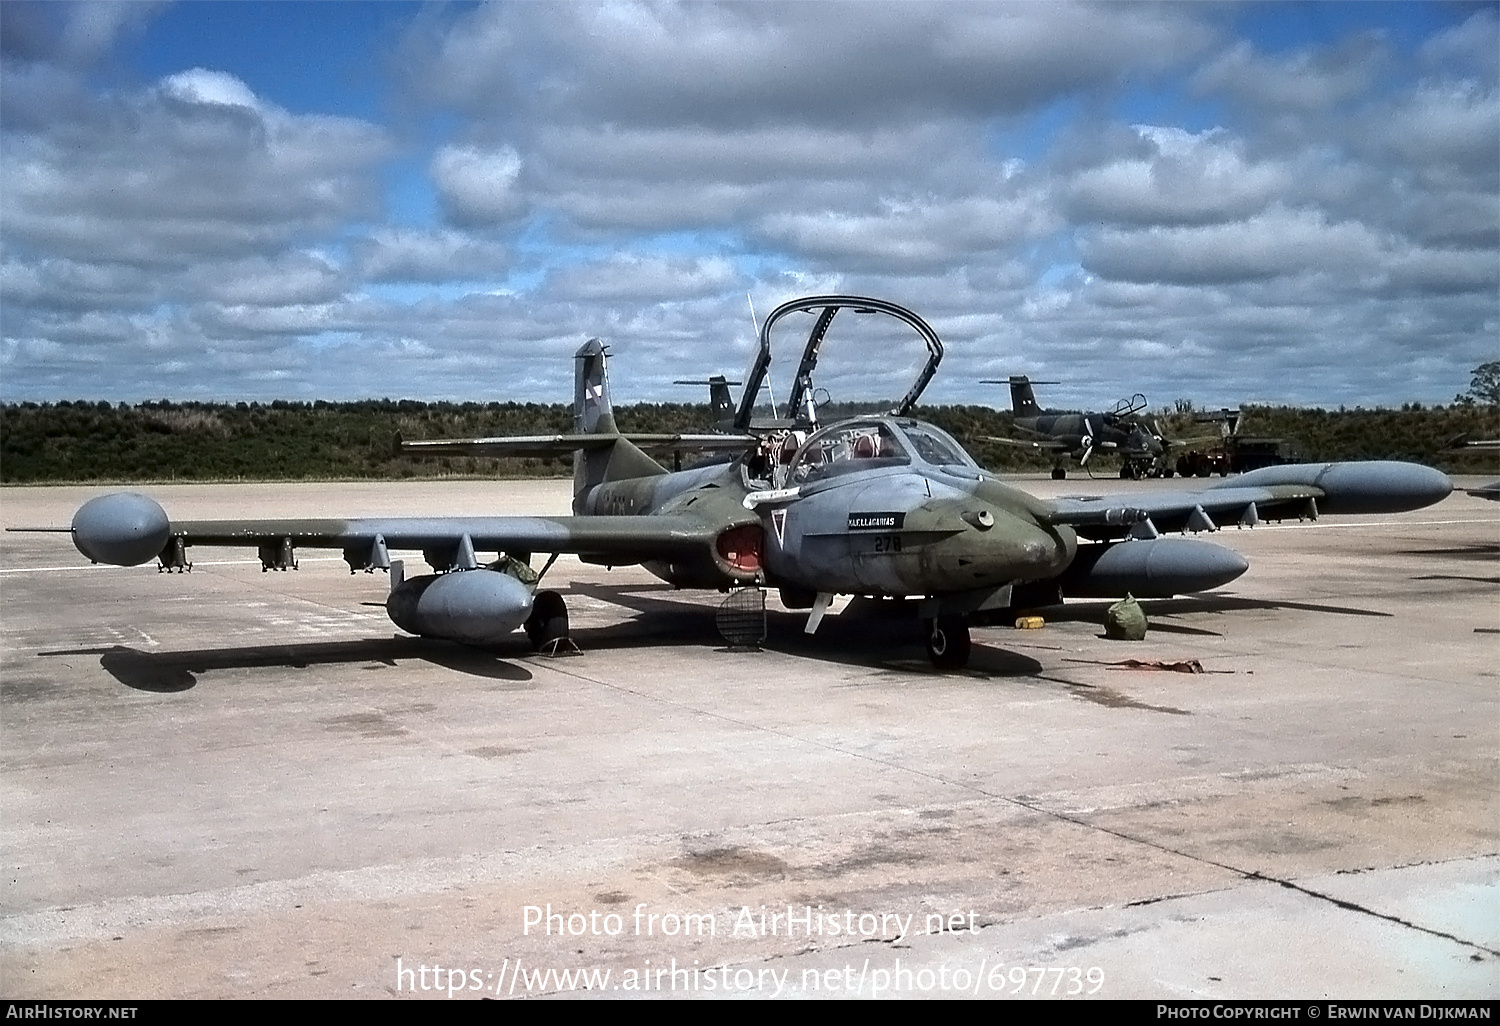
(1022, 547)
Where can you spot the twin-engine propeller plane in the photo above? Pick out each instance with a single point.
(884, 507)
(1080, 434)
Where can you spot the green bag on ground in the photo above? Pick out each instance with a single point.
(1125, 621)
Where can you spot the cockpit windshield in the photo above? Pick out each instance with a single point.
(935, 447)
(847, 447)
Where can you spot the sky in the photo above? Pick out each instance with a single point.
(1287, 203)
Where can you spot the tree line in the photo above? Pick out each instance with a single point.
(200, 441)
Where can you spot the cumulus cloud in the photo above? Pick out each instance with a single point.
(193, 168)
(1450, 131)
(911, 235)
(606, 205)
(1189, 178)
(1444, 271)
(290, 278)
(1061, 189)
(648, 279)
(1278, 242)
(1306, 81)
(1466, 50)
(477, 186)
(61, 284)
(245, 320)
(203, 86)
(132, 217)
(749, 64)
(423, 255)
(677, 156)
(73, 34)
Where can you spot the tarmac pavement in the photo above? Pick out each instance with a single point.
(231, 783)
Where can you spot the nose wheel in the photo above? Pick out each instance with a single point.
(948, 642)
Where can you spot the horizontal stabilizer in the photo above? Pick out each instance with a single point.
(563, 445)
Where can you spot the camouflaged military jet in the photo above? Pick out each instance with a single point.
(884, 507)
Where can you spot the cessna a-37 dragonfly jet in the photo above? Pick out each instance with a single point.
(885, 508)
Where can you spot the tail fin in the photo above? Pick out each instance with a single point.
(1022, 398)
(721, 402)
(593, 415)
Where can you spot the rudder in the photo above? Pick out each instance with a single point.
(594, 415)
(1022, 398)
(721, 402)
(592, 412)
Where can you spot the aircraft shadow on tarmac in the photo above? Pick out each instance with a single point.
(178, 671)
(1155, 609)
(847, 640)
(1485, 551)
(1210, 603)
(839, 639)
(683, 621)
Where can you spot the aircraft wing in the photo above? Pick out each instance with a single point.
(127, 529)
(630, 538)
(1046, 445)
(1271, 493)
(564, 444)
(1206, 510)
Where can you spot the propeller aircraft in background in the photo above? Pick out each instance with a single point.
(1079, 435)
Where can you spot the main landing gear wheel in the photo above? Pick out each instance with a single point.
(948, 642)
(547, 626)
(1058, 473)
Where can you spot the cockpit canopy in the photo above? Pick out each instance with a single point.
(864, 445)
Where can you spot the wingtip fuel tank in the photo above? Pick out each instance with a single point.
(122, 529)
(1361, 487)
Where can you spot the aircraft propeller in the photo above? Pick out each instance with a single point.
(1093, 430)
